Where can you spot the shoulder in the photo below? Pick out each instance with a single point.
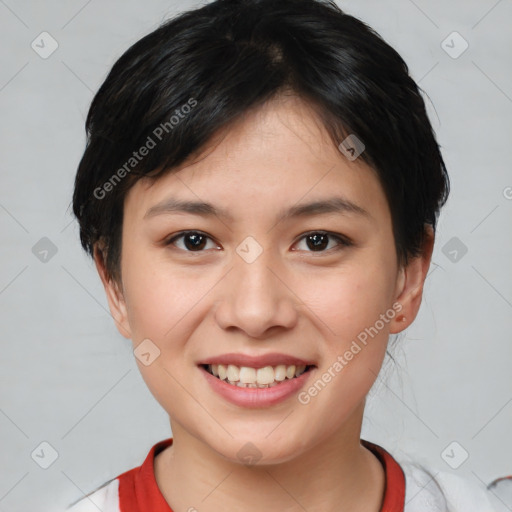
(429, 490)
(125, 487)
(105, 498)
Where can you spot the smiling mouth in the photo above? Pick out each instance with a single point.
(246, 377)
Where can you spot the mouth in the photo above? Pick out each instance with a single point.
(247, 377)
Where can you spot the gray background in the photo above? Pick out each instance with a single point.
(68, 377)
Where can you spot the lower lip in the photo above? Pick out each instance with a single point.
(257, 397)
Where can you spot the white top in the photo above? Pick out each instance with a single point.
(425, 491)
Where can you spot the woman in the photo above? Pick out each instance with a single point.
(260, 192)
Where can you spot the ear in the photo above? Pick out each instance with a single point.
(409, 285)
(115, 296)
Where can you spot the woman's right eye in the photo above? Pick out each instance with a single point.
(193, 241)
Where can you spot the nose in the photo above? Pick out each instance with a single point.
(256, 298)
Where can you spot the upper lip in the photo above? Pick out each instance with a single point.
(272, 359)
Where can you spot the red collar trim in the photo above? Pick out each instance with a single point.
(139, 492)
(394, 494)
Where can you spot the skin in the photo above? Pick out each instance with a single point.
(291, 299)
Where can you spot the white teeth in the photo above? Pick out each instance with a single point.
(233, 373)
(245, 376)
(265, 375)
(290, 371)
(280, 372)
(248, 375)
(300, 369)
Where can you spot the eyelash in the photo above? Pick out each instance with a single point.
(343, 242)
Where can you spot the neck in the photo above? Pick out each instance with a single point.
(336, 474)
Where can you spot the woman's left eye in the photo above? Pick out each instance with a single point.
(317, 241)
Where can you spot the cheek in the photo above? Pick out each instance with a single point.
(160, 305)
(155, 303)
(163, 300)
(353, 310)
(350, 299)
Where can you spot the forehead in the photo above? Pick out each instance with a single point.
(277, 155)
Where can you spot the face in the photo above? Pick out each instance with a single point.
(258, 273)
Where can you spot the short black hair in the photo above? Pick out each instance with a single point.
(197, 72)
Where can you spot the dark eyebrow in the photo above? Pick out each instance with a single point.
(329, 205)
